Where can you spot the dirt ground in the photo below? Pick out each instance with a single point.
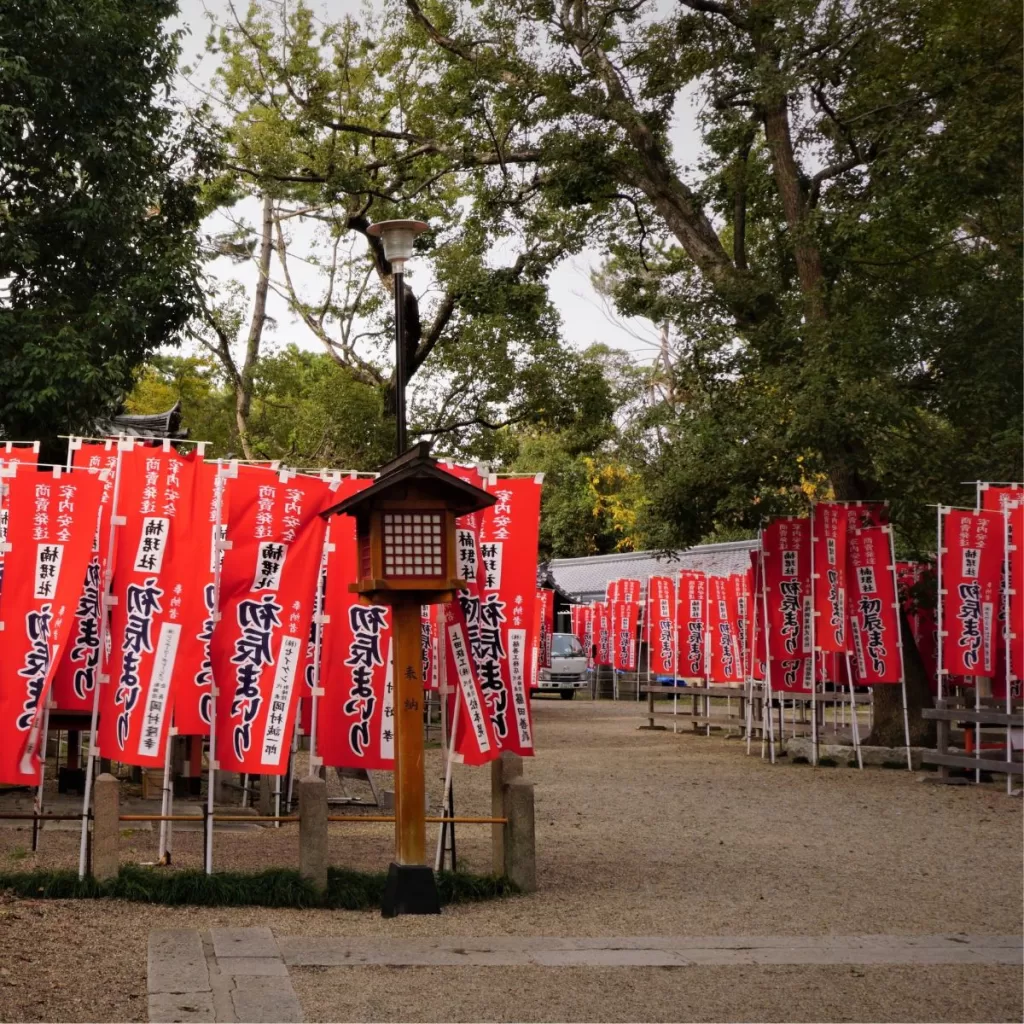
(638, 833)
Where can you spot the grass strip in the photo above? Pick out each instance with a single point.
(278, 887)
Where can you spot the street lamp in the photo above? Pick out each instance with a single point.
(397, 237)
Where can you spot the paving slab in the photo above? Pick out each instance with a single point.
(176, 962)
(243, 942)
(171, 1007)
(253, 966)
(653, 951)
(267, 1000)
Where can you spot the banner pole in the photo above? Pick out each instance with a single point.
(814, 666)
(211, 774)
(938, 606)
(101, 678)
(767, 660)
(676, 651)
(162, 848)
(38, 802)
(442, 831)
(854, 721)
(1007, 646)
(320, 621)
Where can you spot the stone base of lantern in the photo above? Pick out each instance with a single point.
(410, 889)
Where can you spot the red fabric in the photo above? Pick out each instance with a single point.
(787, 593)
(922, 621)
(740, 595)
(993, 498)
(543, 616)
(509, 535)
(661, 615)
(75, 680)
(1014, 526)
(268, 583)
(692, 623)
(10, 455)
(355, 715)
(829, 543)
(625, 615)
(154, 565)
(475, 740)
(874, 616)
(602, 633)
(726, 665)
(52, 526)
(759, 648)
(971, 559)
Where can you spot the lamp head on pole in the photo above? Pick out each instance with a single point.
(397, 237)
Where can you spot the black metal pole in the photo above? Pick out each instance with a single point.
(400, 374)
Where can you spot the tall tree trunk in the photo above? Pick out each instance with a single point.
(243, 392)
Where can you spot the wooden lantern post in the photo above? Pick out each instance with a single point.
(405, 533)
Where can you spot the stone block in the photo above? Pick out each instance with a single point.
(176, 961)
(106, 828)
(181, 1007)
(800, 746)
(313, 855)
(520, 854)
(504, 769)
(267, 999)
(252, 942)
(266, 803)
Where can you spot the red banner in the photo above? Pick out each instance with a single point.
(153, 566)
(691, 619)
(828, 545)
(740, 584)
(787, 572)
(971, 565)
(509, 536)
(267, 590)
(625, 616)
(1014, 597)
(75, 679)
(758, 645)
(661, 624)
(475, 739)
(602, 633)
(874, 615)
(543, 618)
(355, 715)
(429, 646)
(51, 527)
(12, 454)
(994, 498)
(726, 664)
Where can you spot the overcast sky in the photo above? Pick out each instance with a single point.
(585, 318)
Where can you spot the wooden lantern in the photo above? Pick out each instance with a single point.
(405, 530)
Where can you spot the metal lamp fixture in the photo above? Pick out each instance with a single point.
(397, 237)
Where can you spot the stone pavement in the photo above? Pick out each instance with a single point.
(225, 974)
(241, 974)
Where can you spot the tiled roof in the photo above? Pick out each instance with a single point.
(586, 579)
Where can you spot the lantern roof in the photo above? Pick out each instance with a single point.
(415, 467)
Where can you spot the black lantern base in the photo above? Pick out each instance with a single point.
(410, 889)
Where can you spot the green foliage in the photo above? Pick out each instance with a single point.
(278, 887)
(98, 207)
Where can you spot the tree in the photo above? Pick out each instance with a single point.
(98, 206)
(842, 266)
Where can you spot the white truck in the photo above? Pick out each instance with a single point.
(568, 671)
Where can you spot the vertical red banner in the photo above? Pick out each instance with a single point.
(602, 633)
(267, 591)
(787, 577)
(153, 565)
(971, 556)
(543, 625)
(829, 525)
(625, 615)
(192, 688)
(661, 612)
(1013, 584)
(874, 608)
(356, 714)
(691, 620)
(509, 537)
(476, 741)
(75, 679)
(994, 498)
(51, 528)
(726, 664)
(12, 454)
(739, 593)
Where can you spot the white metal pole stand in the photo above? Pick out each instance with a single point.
(676, 650)
(767, 665)
(320, 620)
(101, 679)
(222, 544)
(163, 854)
(810, 627)
(1008, 635)
(450, 750)
(940, 634)
(854, 723)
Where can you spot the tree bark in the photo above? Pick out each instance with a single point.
(887, 730)
(244, 390)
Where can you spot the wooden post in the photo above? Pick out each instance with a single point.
(410, 783)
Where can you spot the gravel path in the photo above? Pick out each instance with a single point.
(638, 833)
